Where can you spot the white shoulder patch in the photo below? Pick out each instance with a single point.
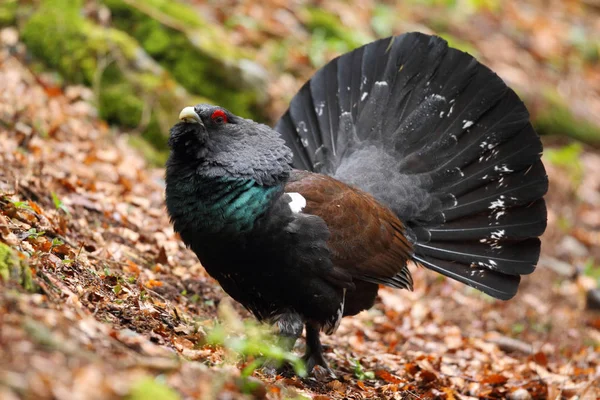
(298, 202)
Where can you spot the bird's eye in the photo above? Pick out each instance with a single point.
(219, 117)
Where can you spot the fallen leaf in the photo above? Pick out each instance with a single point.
(495, 379)
(386, 376)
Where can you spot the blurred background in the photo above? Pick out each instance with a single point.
(82, 83)
(144, 59)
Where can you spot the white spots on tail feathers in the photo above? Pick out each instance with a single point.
(301, 127)
(499, 234)
(467, 124)
(494, 243)
(494, 217)
(486, 145)
(298, 202)
(498, 214)
(502, 168)
(477, 271)
(437, 97)
(496, 204)
(491, 264)
(451, 108)
(457, 169)
(442, 116)
(455, 203)
(489, 155)
(498, 208)
(319, 108)
(377, 84)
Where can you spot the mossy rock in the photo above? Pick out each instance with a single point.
(14, 270)
(132, 90)
(195, 52)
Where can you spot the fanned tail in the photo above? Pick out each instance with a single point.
(443, 142)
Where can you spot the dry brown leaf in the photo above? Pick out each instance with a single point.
(386, 376)
(495, 379)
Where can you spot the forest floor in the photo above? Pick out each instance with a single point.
(100, 299)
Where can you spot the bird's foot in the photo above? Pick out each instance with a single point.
(317, 366)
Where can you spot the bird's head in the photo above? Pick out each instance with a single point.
(216, 142)
(188, 139)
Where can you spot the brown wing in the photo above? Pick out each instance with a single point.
(367, 239)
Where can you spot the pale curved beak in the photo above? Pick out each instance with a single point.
(189, 115)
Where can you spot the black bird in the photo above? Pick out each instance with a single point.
(403, 149)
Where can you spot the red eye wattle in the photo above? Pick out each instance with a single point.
(219, 116)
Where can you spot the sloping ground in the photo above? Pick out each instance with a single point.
(99, 299)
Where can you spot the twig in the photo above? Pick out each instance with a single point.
(509, 345)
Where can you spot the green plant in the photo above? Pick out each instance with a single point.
(151, 388)
(58, 204)
(33, 233)
(360, 373)
(250, 339)
(21, 205)
(592, 270)
(55, 243)
(567, 157)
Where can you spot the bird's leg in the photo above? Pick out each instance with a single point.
(289, 328)
(314, 350)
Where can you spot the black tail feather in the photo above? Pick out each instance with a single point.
(442, 141)
(496, 284)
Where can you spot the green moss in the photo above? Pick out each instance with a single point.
(555, 118)
(8, 12)
(192, 50)
(12, 269)
(118, 102)
(333, 30)
(127, 82)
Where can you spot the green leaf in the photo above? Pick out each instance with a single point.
(58, 204)
(34, 233)
(360, 373)
(22, 205)
(117, 289)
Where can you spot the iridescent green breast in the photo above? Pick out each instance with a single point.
(219, 204)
